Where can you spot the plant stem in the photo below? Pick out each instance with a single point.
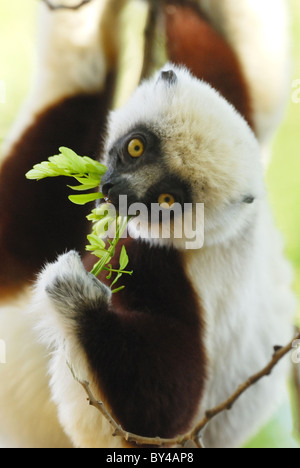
(123, 272)
(101, 264)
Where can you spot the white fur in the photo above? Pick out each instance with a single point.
(205, 141)
(245, 289)
(258, 31)
(31, 416)
(28, 416)
(56, 329)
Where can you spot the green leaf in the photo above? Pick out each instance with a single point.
(88, 172)
(90, 248)
(101, 227)
(89, 180)
(94, 239)
(35, 174)
(41, 171)
(81, 188)
(101, 212)
(83, 199)
(124, 260)
(74, 163)
(118, 290)
(69, 153)
(60, 162)
(99, 253)
(94, 166)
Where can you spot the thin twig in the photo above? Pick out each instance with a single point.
(65, 7)
(118, 430)
(194, 436)
(279, 354)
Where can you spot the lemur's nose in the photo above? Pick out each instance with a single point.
(114, 187)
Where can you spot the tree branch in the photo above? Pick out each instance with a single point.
(193, 436)
(65, 7)
(118, 430)
(279, 354)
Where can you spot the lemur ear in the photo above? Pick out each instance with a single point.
(169, 77)
(249, 199)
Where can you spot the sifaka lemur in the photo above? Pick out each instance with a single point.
(191, 324)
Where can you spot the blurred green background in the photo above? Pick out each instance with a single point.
(17, 63)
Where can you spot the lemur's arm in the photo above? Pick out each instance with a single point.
(68, 106)
(143, 345)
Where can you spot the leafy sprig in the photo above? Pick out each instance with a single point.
(85, 170)
(105, 220)
(88, 173)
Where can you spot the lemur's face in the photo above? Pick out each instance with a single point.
(178, 142)
(138, 168)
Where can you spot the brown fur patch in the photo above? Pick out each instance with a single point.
(37, 221)
(147, 351)
(192, 41)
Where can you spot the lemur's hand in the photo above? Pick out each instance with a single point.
(71, 289)
(64, 294)
(66, 300)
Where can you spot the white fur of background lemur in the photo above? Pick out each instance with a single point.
(258, 31)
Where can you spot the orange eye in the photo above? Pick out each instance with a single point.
(136, 148)
(166, 200)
